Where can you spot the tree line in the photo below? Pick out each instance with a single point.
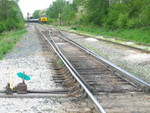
(112, 14)
(10, 15)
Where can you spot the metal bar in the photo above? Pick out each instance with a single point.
(56, 91)
(32, 95)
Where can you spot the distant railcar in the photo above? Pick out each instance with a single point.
(32, 20)
(43, 19)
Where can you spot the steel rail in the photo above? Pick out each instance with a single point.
(43, 91)
(133, 47)
(137, 48)
(70, 68)
(32, 95)
(132, 79)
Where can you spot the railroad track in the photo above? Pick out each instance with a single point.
(86, 74)
(123, 43)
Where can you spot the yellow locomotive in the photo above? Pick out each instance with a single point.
(43, 19)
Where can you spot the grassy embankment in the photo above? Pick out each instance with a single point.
(138, 35)
(8, 40)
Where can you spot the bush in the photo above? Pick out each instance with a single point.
(2, 27)
(50, 20)
(11, 24)
(122, 20)
(8, 40)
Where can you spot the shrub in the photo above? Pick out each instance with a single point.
(122, 20)
(50, 20)
(2, 27)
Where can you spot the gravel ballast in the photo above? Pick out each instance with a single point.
(133, 61)
(28, 56)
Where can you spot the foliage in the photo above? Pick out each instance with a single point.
(10, 15)
(68, 12)
(55, 9)
(8, 40)
(128, 14)
(137, 35)
(50, 20)
(97, 10)
(36, 14)
(62, 10)
(2, 26)
(113, 15)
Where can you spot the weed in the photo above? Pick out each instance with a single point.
(59, 61)
(137, 35)
(7, 41)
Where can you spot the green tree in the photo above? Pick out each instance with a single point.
(127, 14)
(69, 12)
(56, 8)
(36, 14)
(96, 10)
(139, 13)
(116, 16)
(10, 15)
(144, 16)
(4, 9)
(112, 14)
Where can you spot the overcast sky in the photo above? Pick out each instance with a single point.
(32, 5)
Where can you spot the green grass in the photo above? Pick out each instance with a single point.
(8, 40)
(59, 61)
(137, 35)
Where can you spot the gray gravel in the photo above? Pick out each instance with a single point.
(41, 105)
(131, 60)
(28, 56)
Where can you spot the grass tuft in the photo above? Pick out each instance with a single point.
(8, 40)
(138, 35)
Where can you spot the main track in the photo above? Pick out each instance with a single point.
(85, 74)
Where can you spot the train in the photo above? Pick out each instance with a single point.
(42, 19)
